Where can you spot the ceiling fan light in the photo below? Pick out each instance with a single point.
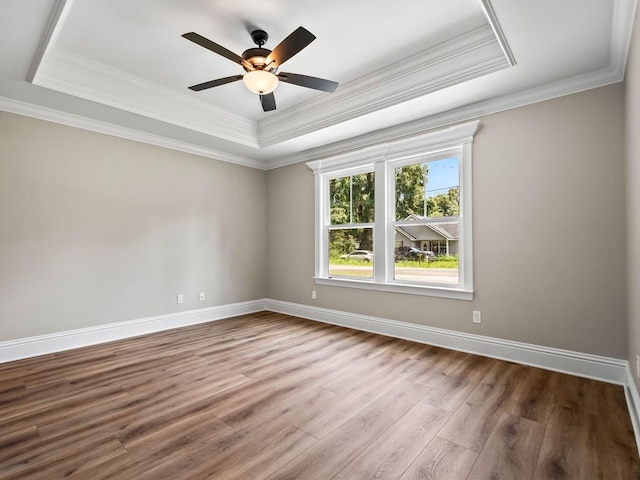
(260, 81)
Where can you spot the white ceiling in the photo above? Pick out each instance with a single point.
(122, 67)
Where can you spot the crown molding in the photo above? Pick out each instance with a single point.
(57, 18)
(398, 148)
(461, 59)
(76, 75)
(492, 18)
(624, 14)
(56, 116)
(557, 89)
(474, 111)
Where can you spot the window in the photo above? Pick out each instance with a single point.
(397, 216)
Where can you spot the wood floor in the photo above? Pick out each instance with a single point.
(269, 396)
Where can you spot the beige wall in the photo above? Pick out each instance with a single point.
(632, 83)
(98, 229)
(546, 176)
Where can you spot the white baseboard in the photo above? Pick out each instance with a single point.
(57, 342)
(633, 402)
(606, 369)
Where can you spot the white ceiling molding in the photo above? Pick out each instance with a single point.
(464, 58)
(624, 14)
(56, 20)
(82, 77)
(492, 18)
(399, 148)
(561, 88)
(98, 126)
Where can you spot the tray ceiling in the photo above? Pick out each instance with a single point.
(122, 67)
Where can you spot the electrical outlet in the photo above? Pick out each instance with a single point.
(202, 296)
(638, 366)
(477, 316)
(313, 294)
(180, 298)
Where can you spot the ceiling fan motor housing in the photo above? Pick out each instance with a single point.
(257, 57)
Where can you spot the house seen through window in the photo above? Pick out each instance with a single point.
(427, 251)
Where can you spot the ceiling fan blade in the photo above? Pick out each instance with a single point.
(214, 47)
(215, 83)
(309, 82)
(296, 41)
(268, 102)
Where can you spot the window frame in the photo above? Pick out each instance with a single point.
(382, 159)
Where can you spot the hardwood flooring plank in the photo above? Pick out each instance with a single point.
(262, 460)
(141, 409)
(60, 407)
(564, 453)
(534, 394)
(442, 460)
(22, 399)
(472, 423)
(275, 361)
(193, 430)
(436, 364)
(612, 436)
(227, 456)
(18, 441)
(344, 409)
(392, 453)
(11, 387)
(452, 391)
(574, 392)
(343, 381)
(332, 453)
(511, 451)
(57, 460)
(142, 456)
(294, 407)
(240, 403)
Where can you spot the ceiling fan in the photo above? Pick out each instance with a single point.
(261, 65)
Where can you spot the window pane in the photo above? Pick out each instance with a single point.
(352, 199)
(428, 189)
(351, 252)
(427, 253)
(410, 181)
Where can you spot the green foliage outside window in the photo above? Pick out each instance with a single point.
(352, 201)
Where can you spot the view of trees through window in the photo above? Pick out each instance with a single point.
(352, 202)
(424, 251)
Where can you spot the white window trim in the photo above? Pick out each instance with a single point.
(382, 158)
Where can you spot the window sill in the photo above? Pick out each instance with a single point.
(431, 291)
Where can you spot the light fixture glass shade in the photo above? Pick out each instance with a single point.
(260, 82)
